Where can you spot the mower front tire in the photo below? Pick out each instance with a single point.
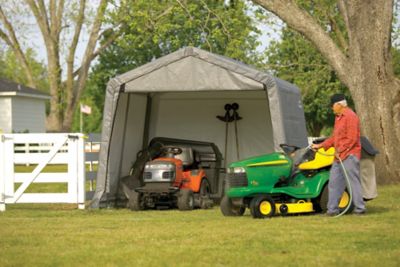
(185, 199)
(228, 209)
(135, 201)
(262, 206)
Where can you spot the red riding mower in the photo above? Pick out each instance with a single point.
(173, 179)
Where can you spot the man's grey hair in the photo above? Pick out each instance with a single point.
(343, 103)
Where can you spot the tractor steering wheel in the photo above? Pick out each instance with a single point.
(174, 150)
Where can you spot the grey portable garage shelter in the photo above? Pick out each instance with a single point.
(179, 96)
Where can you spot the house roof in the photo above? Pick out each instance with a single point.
(9, 88)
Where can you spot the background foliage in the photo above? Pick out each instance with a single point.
(11, 69)
(294, 59)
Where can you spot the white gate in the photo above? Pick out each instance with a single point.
(40, 150)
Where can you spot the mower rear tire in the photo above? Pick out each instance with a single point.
(185, 199)
(322, 204)
(228, 209)
(262, 206)
(205, 195)
(135, 201)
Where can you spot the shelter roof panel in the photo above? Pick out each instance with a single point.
(191, 74)
(193, 62)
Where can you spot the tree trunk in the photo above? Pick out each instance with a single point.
(379, 117)
(79, 85)
(54, 120)
(374, 88)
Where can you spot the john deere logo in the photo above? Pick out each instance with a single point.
(254, 183)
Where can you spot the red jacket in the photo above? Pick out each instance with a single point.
(346, 135)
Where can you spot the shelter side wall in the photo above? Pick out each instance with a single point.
(115, 152)
(276, 119)
(127, 136)
(133, 139)
(293, 119)
(192, 115)
(5, 117)
(104, 179)
(28, 114)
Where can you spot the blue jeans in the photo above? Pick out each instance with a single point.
(337, 184)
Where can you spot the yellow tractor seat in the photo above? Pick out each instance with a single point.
(321, 160)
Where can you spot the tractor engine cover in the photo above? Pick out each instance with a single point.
(159, 171)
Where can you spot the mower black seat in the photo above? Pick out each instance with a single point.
(186, 156)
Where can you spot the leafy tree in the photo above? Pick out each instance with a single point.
(356, 43)
(12, 70)
(156, 28)
(396, 61)
(294, 59)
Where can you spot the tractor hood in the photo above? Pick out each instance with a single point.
(272, 159)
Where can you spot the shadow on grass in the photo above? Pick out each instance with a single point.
(377, 210)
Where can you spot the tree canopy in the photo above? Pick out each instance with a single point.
(156, 28)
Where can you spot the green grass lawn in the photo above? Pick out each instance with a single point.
(61, 235)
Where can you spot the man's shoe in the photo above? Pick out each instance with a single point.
(359, 213)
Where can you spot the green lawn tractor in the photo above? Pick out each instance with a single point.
(290, 182)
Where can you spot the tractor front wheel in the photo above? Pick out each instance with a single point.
(185, 199)
(228, 209)
(262, 206)
(135, 201)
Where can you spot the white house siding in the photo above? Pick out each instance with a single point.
(28, 114)
(5, 114)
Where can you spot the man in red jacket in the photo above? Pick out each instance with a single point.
(346, 141)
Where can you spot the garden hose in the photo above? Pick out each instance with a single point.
(348, 184)
(348, 188)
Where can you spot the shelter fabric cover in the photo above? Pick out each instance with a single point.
(186, 70)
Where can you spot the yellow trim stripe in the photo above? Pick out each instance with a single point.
(268, 163)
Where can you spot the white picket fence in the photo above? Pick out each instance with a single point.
(42, 150)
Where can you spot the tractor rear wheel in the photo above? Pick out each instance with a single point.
(262, 206)
(185, 199)
(228, 209)
(205, 194)
(322, 204)
(135, 201)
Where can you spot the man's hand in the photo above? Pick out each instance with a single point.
(316, 146)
